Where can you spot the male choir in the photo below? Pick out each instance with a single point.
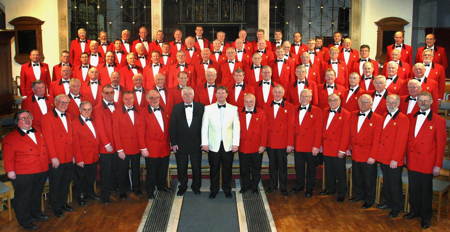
(107, 104)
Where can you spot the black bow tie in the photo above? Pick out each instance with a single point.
(32, 130)
(217, 52)
(85, 66)
(177, 42)
(188, 105)
(313, 53)
(165, 54)
(221, 106)
(239, 85)
(266, 82)
(378, 95)
(231, 62)
(130, 109)
(93, 54)
(82, 41)
(334, 62)
(421, 113)
(199, 38)
(255, 67)
(347, 50)
(261, 51)
(362, 60)
(141, 57)
(65, 82)
(87, 119)
(36, 65)
(367, 78)
(155, 65)
(181, 65)
(332, 111)
(156, 109)
(144, 40)
(125, 42)
(63, 114)
(117, 52)
(161, 89)
(337, 43)
(389, 78)
(94, 82)
(302, 108)
(280, 60)
(296, 44)
(41, 98)
(352, 89)
(411, 98)
(390, 115)
(110, 104)
(306, 65)
(211, 86)
(115, 88)
(67, 64)
(104, 44)
(398, 46)
(206, 63)
(249, 112)
(362, 114)
(330, 86)
(190, 49)
(427, 65)
(276, 103)
(300, 82)
(138, 90)
(133, 67)
(110, 65)
(239, 51)
(76, 97)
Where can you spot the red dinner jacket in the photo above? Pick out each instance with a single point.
(381, 107)
(287, 73)
(246, 59)
(268, 45)
(101, 59)
(226, 76)
(363, 144)
(396, 85)
(57, 87)
(85, 143)
(78, 73)
(200, 72)
(75, 51)
(102, 49)
(404, 102)
(440, 56)
(356, 64)
(260, 95)
(352, 103)
(22, 156)
(27, 77)
(342, 74)
(205, 43)
(104, 124)
(31, 105)
(123, 59)
(255, 135)
(308, 134)
(152, 137)
(403, 72)
(250, 78)
(173, 98)
(86, 91)
(174, 49)
(314, 72)
(140, 63)
(323, 94)
(126, 76)
(280, 132)
(267, 57)
(325, 52)
(104, 76)
(162, 103)
(240, 100)
(154, 46)
(59, 141)
(56, 72)
(125, 132)
(303, 48)
(354, 57)
(201, 95)
(427, 149)
(220, 59)
(362, 84)
(332, 138)
(293, 96)
(73, 108)
(144, 102)
(174, 69)
(437, 73)
(149, 76)
(195, 56)
(171, 59)
(393, 139)
(406, 53)
(135, 42)
(428, 85)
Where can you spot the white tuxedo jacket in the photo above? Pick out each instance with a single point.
(213, 130)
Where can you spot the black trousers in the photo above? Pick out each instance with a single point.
(392, 192)
(278, 168)
(250, 168)
(335, 175)
(156, 173)
(217, 161)
(302, 158)
(59, 180)
(132, 162)
(183, 158)
(84, 180)
(364, 178)
(27, 196)
(421, 194)
(107, 162)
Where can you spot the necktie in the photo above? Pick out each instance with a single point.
(65, 82)
(117, 52)
(125, 41)
(82, 41)
(347, 50)
(165, 54)
(30, 131)
(116, 88)
(221, 106)
(177, 42)
(398, 46)
(181, 65)
(296, 44)
(205, 63)
(84, 66)
(188, 105)
(427, 65)
(141, 57)
(161, 89)
(367, 78)
(104, 44)
(312, 53)
(217, 52)
(337, 43)
(190, 49)
(362, 114)
(239, 51)
(389, 78)
(261, 51)
(389, 113)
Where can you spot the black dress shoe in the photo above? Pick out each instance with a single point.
(212, 195)
(123, 196)
(181, 192)
(366, 205)
(356, 199)
(297, 189)
(94, 197)
(325, 192)
(58, 213)
(393, 214)
(106, 200)
(67, 208)
(196, 191)
(410, 215)
(382, 206)
(425, 224)
(81, 202)
(243, 190)
(151, 196)
(340, 199)
(40, 218)
(308, 194)
(228, 194)
(30, 226)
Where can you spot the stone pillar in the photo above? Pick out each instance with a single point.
(355, 23)
(263, 16)
(63, 25)
(156, 16)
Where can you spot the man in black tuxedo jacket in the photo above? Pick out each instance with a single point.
(185, 137)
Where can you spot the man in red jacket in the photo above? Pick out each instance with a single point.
(425, 152)
(364, 52)
(58, 131)
(61, 86)
(78, 46)
(85, 143)
(206, 93)
(252, 143)
(25, 156)
(408, 104)
(440, 55)
(434, 71)
(391, 153)
(307, 141)
(406, 50)
(64, 61)
(351, 96)
(38, 104)
(32, 71)
(239, 89)
(154, 144)
(360, 141)
(335, 122)
(126, 125)
(200, 41)
(299, 85)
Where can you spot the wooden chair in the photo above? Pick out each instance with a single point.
(405, 186)
(6, 193)
(348, 168)
(441, 187)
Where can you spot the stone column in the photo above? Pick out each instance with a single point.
(263, 16)
(63, 25)
(156, 16)
(355, 23)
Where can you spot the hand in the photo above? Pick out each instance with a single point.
(393, 164)
(289, 149)
(341, 154)
(234, 148)
(12, 175)
(81, 164)
(370, 160)
(121, 155)
(144, 153)
(261, 149)
(436, 170)
(55, 162)
(349, 153)
(315, 151)
(320, 149)
(175, 148)
(205, 148)
(109, 148)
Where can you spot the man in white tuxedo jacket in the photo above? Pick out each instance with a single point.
(220, 138)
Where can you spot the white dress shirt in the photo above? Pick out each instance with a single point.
(77, 99)
(110, 107)
(130, 113)
(256, 71)
(93, 59)
(276, 107)
(139, 94)
(110, 69)
(335, 67)
(189, 111)
(237, 91)
(94, 89)
(83, 46)
(280, 67)
(200, 42)
(312, 56)
(119, 57)
(427, 69)
(389, 81)
(210, 92)
(388, 118)
(162, 93)
(63, 119)
(126, 45)
(411, 104)
(367, 82)
(420, 120)
(300, 87)
(32, 135)
(116, 93)
(346, 56)
(301, 114)
(377, 99)
(330, 117)
(84, 71)
(36, 70)
(266, 90)
(42, 105)
(350, 92)
(143, 61)
(90, 125)
(159, 118)
(361, 120)
(155, 68)
(248, 117)
(231, 65)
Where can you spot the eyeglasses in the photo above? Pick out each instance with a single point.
(109, 92)
(25, 118)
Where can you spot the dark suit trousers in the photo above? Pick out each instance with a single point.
(302, 158)
(218, 160)
(84, 180)
(60, 179)
(27, 196)
(278, 168)
(391, 192)
(250, 168)
(421, 194)
(183, 158)
(107, 175)
(335, 175)
(156, 173)
(130, 162)
(364, 177)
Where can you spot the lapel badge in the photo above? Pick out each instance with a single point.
(395, 124)
(256, 119)
(370, 124)
(431, 127)
(311, 116)
(285, 111)
(340, 117)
